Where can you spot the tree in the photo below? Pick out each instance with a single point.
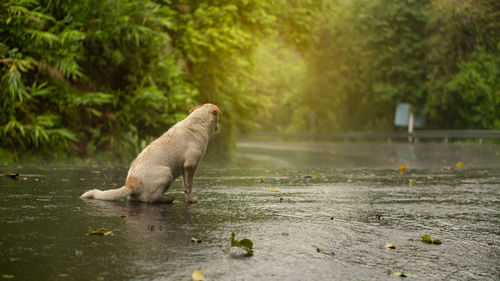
(464, 45)
(97, 78)
(370, 55)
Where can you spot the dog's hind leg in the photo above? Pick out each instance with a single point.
(165, 200)
(156, 183)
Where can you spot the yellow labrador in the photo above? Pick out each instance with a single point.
(177, 152)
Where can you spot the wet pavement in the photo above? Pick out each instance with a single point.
(288, 199)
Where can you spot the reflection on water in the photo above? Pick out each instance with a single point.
(379, 155)
(350, 211)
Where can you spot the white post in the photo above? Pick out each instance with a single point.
(410, 127)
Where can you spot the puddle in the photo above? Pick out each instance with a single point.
(351, 212)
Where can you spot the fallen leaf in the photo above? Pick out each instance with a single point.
(196, 240)
(319, 250)
(272, 189)
(427, 239)
(8, 276)
(397, 273)
(123, 216)
(402, 169)
(99, 232)
(198, 275)
(390, 245)
(410, 181)
(459, 164)
(12, 176)
(226, 250)
(245, 244)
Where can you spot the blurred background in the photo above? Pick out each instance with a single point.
(96, 81)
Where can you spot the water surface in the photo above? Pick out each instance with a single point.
(350, 211)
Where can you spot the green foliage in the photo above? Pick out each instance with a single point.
(366, 56)
(103, 78)
(366, 60)
(463, 85)
(217, 39)
(279, 77)
(472, 95)
(118, 73)
(88, 76)
(113, 75)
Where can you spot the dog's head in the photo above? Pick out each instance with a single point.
(211, 111)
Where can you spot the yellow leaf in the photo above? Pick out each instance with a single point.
(402, 169)
(459, 164)
(198, 275)
(398, 273)
(8, 20)
(390, 245)
(99, 232)
(272, 189)
(410, 181)
(8, 276)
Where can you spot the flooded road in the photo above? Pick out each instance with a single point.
(290, 201)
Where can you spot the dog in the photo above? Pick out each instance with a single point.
(177, 152)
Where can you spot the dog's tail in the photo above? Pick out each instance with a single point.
(112, 194)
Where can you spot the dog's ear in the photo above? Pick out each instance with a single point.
(194, 108)
(215, 110)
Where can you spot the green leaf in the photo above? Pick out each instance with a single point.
(245, 244)
(196, 240)
(427, 239)
(93, 98)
